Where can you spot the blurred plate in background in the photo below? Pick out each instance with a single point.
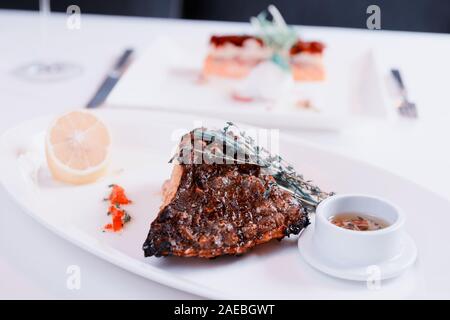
(167, 77)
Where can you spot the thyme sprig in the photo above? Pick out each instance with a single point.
(233, 146)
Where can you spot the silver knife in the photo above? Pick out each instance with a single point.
(111, 80)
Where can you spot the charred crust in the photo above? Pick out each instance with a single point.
(160, 250)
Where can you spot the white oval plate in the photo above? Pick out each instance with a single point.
(143, 143)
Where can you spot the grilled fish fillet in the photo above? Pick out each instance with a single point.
(210, 210)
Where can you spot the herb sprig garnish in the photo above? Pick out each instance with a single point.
(276, 34)
(233, 146)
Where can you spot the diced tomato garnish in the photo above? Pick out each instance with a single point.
(118, 215)
(116, 212)
(117, 224)
(118, 196)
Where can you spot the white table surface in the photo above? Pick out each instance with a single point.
(33, 261)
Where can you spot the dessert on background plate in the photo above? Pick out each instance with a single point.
(306, 61)
(235, 56)
(250, 76)
(266, 82)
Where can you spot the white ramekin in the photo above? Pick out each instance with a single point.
(358, 248)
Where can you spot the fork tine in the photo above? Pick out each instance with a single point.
(403, 110)
(414, 108)
(408, 110)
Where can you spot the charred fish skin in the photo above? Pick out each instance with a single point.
(222, 209)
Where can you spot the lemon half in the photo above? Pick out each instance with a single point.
(77, 147)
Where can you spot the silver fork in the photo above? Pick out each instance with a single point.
(405, 107)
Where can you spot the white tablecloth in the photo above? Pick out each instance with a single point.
(33, 261)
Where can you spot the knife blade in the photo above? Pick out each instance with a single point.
(111, 79)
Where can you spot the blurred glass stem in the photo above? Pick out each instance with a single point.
(44, 69)
(44, 15)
